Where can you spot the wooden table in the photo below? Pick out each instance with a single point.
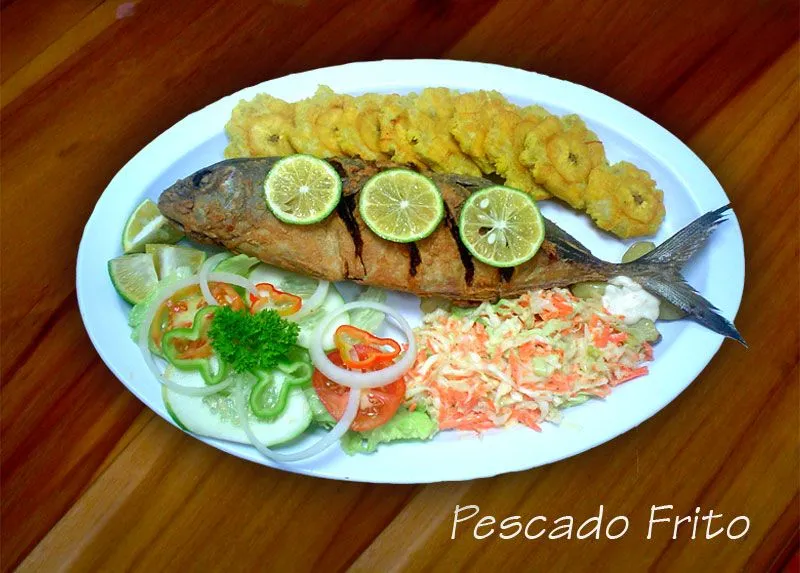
(92, 480)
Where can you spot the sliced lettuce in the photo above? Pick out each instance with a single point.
(576, 400)
(367, 318)
(404, 425)
(319, 414)
(237, 264)
(298, 285)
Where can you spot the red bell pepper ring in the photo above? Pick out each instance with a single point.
(361, 350)
(284, 303)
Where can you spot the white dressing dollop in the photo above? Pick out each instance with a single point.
(626, 297)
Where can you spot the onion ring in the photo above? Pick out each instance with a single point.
(232, 279)
(360, 380)
(208, 266)
(312, 303)
(144, 346)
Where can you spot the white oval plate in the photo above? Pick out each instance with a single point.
(689, 187)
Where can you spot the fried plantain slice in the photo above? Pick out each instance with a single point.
(473, 113)
(317, 122)
(395, 139)
(260, 127)
(359, 131)
(560, 159)
(504, 143)
(624, 200)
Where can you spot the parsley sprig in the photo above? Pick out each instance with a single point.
(249, 342)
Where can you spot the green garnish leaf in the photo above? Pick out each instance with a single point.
(250, 342)
(404, 425)
(369, 319)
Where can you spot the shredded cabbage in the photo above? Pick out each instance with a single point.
(520, 361)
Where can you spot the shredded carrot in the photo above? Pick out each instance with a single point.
(630, 375)
(473, 377)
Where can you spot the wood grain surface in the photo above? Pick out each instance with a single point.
(92, 480)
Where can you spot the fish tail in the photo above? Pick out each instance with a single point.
(659, 273)
(659, 270)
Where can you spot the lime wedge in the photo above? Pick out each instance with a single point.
(169, 257)
(302, 190)
(401, 206)
(501, 227)
(134, 276)
(147, 225)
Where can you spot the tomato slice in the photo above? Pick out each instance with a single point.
(377, 406)
(178, 311)
(269, 297)
(226, 295)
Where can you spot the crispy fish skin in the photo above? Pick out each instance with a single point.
(224, 205)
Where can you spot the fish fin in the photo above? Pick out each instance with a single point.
(682, 246)
(567, 245)
(658, 272)
(674, 288)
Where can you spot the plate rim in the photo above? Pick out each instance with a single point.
(679, 152)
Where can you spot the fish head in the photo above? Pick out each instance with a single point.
(224, 188)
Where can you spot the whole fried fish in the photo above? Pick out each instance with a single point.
(224, 204)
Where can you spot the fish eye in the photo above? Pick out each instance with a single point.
(199, 177)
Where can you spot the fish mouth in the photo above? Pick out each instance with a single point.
(176, 202)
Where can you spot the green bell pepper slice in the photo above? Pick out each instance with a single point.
(176, 340)
(271, 391)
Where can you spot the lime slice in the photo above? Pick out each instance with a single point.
(169, 257)
(401, 206)
(301, 189)
(147, 225)
(134, 276)
(501, 227)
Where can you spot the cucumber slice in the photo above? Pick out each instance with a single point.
(308, 326)
(216, 417)
(238, 264)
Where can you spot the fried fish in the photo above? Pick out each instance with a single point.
(224, 205)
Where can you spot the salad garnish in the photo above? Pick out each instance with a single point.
(250, 342)
(191, 348)
(361, 350)
(283, 303)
